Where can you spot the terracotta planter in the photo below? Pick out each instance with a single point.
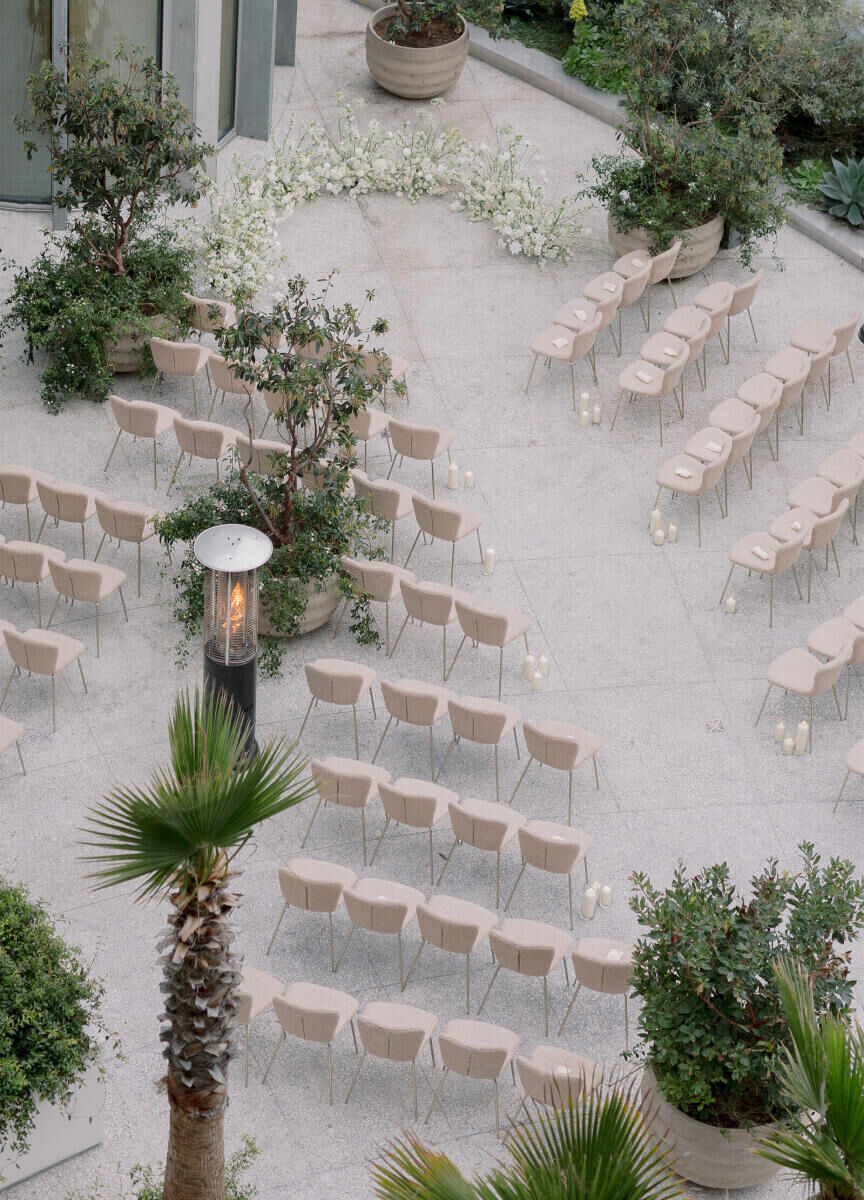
(128, 354)
(413, 72)
(700, 245)
(320, 607)
(705, 1154)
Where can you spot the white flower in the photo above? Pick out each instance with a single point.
(515, 247)
(624, 195)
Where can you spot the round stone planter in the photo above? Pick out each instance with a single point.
(413, 72)
(700, 245)
(705, 1154)
(320, 607)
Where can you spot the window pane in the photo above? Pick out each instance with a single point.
(104, 24)
(26, 42)
(227, 66)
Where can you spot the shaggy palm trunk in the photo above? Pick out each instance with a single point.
(199, 984)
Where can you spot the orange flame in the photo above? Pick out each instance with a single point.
(237, 608)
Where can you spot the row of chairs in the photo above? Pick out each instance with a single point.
(424, 443)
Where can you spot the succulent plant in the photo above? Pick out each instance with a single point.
(843, 190)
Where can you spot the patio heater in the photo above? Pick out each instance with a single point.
(232, 555)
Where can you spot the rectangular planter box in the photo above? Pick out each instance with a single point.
(61, 1133)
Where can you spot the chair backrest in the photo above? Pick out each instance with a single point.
(125, 521)
(380, 579)
(743, 440)
(555, 1086)
(742, 296)
(552, 847)
(36, 650)
(121, 411)
(412, 700)
(583, 339)
(385, 499)
(418, 441)
(633, 287)
(203, 439)
(27, 562)
(447, 930)
(363, 422)
(210, 315)
(414, 802)
(823, 529)
(310, 894)
(316, 1023)
(78, 579)
(256, 454)
(345, 782)
(602, 965)
(819, 362)
(483, 622)
(827, 674)
(662, 263)
(517, 955)
(226, 380)
(477, 823)
(385, 1038)
(439, 519)
(787, 554)
(478, 720)
(672, 377)
(65, 501)
(553, 743)
(843, 466)
(844, 333)
(761, 391)
(434, 603)
(475, 1057)
(336, 680)
(387, 913)
(713, 472)
(178, 358)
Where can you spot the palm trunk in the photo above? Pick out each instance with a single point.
(195, 1166)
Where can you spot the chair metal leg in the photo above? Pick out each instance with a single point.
(345, 947)
(383, 735)
(407, 979)
(516, 884)
(726, 584)
(446, 860)
(174, 476)
(569, 1008)
(617, 407)
(435, 1097)
(311, 823)
(380, 840)
(398, 635)
(356, 735)
(41, 527)
(273, 1056)
(431, 757)
(455, 656)
(305, 719)
(546, 1005)
(276, 930)
(20, 759)
(113, 448)
(411, 551)
(497, 789)
(356, 1075)
(570, 898)
(444, 759)
(81, 673)
(531, 375)
(525, 772)
(626, 1023)
(53, 610)
(489, 988)
(770, 601)
(839, 794)
(53, 705)
(764, 702)
(9, 684)
(97, 630)
(363, 832)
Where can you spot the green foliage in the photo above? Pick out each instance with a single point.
(413, 18)
(148, 1185)
(804, 179)
(596, 1149)
(843, 190)
(712, 1020)
(595, 57)
(48, 1005)
(822, 1076)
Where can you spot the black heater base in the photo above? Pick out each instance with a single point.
(238, 683)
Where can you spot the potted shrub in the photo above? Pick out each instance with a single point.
(96, 293)
(712, 1021)
(417, 48)
(322, 375)
(48, 1009)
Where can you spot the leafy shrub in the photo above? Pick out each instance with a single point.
(804, 179)
(413, 19)
(843, 190)
(594, 57)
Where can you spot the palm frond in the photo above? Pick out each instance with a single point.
(408, 1170)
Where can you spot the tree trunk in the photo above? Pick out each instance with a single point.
(195, 1165)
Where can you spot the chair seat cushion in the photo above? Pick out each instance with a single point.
(315, 999)
(814, 493)
(813, 338)
(603, 287)
(558, 1063)
(396, 1017)
(488, 810)
(630, 264)
(733, 416)
(260, 988)
(629, 381)
(794, 670)
(716, 297)
(687, 322)
(761, 390)
(788, 364)
(654, 350)
(386, 891)
(575, 314)
(314, 870)
(537, 933)
(404, 790)
(545, 343)
(461, 912)
(831, 636)
(742, 552)
(666, 475)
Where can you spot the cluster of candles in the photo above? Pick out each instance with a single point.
(790, 744)
(593, 895)
(535, 670)
(453, 477)
(588, 414)
(658, 534)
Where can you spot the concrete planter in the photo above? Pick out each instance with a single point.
(61, 1131)
(700, 245)
(413, 72)
(320, 607)
(705, 1154)
(127, 355)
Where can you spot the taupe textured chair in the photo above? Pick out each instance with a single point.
(486, 722)
(454, 925)
(661, 267)
(716, 300)
(606, 292)
(28, 562)
(694, 326)
(421, 442)
(381, 906)
(829, 640)
(202, 439)
(561, 746)
(815, 336)
(578, 314)
(314, 1014)
(696, 476)
(10, 732)
(313, 886)
(255, 995)
(743, 423)
(88, 583)
(793, 367)
(225, 380)
(823, 498)
(43, 652)
(417, 804)
(415, 703)
(386, 499)
(275, 403)
(742, 297)
(367, 424)
(209, 316)
(763, 393)
(551, 847)
(530, 948)
(475, 1050)
(348, 784)
(779, 556)
(485, 826)
(338, 681)
(396, 1033)
(142, 419)
(256, 454)
(127, 523)
(374, 361)
(67, 502)
(447, 522)
(559, 343)
(18, 487)
(185, 359)
(642, 378)
(803, 674)
(555, 1077)
(430, 604)
(845, 469)
(854, 766)
(602, 965)
(382, 583)
(821, 533)
(632, 289)
(490, 625)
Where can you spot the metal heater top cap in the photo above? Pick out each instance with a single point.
(232, 548)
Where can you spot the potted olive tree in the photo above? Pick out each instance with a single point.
(712, 1021)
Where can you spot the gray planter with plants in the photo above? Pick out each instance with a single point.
(413, 72)
(699, 244)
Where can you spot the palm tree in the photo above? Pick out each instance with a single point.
(822, 1074)
(178, 838)
(598, 1148)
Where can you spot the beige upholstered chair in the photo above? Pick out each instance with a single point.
(854, 612)
(396, 1033)
(560, 343)
(127, 523)
(415, 703)
(716, 300)
(815, 336)
(743, 423)
(43, 652)
(561, 746)
(854, 766)
(528, 948)
(185, 359)
(430, 604)
(314, 1014)
(417, 804)
(829, 640)
(779, 556)
(823, 498)
(255, 995)
(555, 848)
(664, 350)
(28, 562)
(801, 673)
(88, 583)
(142, 419)
(338, 681)
(693, 325)
(490, 625)
(454, 925)
(742, 297)
(602, 965)
(485, 826)
(487, 722)
(578, 314)
(661, 267)
(10, 732)
(274, 402)
(256, 454)
(644, 379)
(313, 886)
(386, 499)
(18, 487)
(606, 292)
(381, 906)
(556, 1078)
(821, 532)
(793, 367)
(763, 392)
(422, 442)
(225, 380)
(348, 784)
(632, 290)
(208, 316)
(702, 446)
(374, 361)
(367, 424)
(382, 583)
(67, 502)
(447, 522)
(692, 476)
(475, 1050)
(845, 469)
(202, 439)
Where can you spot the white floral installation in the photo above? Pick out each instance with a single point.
(240, 237)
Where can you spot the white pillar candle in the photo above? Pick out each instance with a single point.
(528, 667)
(584, 402)
(605, 896)
(595, 415)
(469, 479)
(589, 903)
(730, 604)
(536, 682)
(789, 745)
(453, 476)
(585, 418)
(654, 523)
(780, 731)
(673, 533)
(659, 537)
(543, 664)
(801, 734)
(488, 561)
